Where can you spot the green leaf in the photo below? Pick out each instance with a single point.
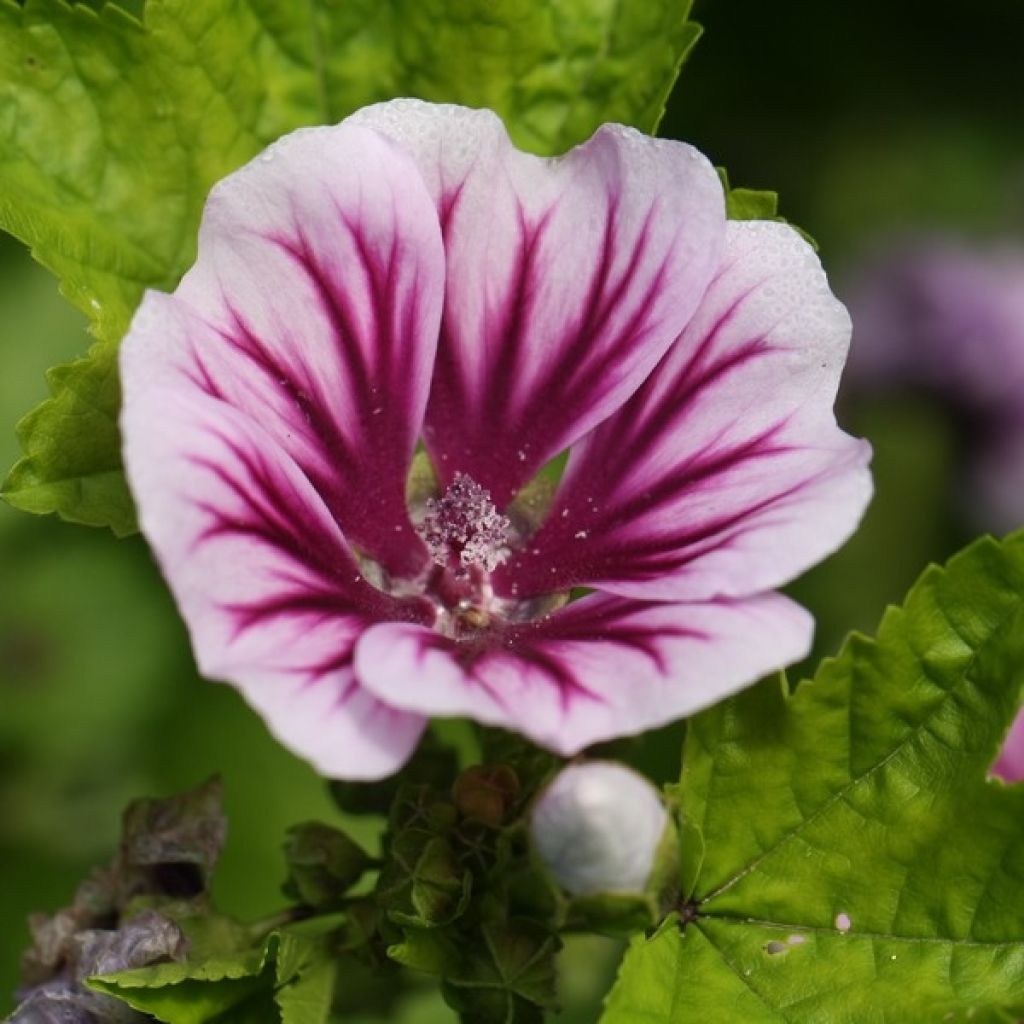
(306, 969)
(506, 977)
(195, 992)
(286, 979)
(862, 799)
(112, 133)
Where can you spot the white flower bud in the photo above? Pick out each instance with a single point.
(597, 827)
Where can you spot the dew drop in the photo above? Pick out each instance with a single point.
(843, 922)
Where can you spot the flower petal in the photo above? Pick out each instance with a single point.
(601, 667)
(271, 593)
(314, 306)
(1010, 765)
(726, 473)
(567, 280)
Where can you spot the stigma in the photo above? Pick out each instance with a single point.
(463, 530)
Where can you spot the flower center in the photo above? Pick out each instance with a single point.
(463, 530)
(468, 538)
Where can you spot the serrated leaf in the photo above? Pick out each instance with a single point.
(111, 134)
(507, 976)
(305, 973)
(286, 979)
(193, 992)
(858, 864)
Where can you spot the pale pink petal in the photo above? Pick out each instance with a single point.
(602, 667)
(726, 473)
(314, 306)
(567, 280)
(272, 595)
(1010, 765)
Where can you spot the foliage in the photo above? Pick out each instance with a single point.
(845, 857)
(113, 132)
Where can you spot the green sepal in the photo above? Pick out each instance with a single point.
(508, 975)
(323, 864)
(756, 204)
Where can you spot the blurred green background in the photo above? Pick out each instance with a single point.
(868, 118)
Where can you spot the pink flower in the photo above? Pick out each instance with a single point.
(1010, 765)
(946, 318)
(409, 274)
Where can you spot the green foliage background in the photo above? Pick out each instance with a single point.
(866, 118)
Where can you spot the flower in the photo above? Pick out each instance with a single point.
(597, 827)
(947, 319)
(1010, 764)
(409, 273)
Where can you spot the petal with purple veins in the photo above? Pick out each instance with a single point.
(726, 473)
(567, 280)
(271, 593)
(314, 306)
(602, 667)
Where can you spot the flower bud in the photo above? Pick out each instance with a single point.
(486, 793)
(597, 828)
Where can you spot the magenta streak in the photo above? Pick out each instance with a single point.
(325, 428)
(373, 528)
(508, 328)
(664, 554)
(642, 428)
(582, 364)
(293, 536)
(450, 199)
(340, 317)
(382, 289)
(579, 370)
(203, 380)
(696, 473)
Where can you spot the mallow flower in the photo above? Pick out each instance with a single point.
(946, 317)
(409, 278)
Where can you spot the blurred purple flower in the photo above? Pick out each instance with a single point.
(948, 319)
(410, 274)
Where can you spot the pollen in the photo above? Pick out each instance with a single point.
(464, 528)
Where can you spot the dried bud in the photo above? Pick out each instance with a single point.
(486, 793)
(597, 827)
